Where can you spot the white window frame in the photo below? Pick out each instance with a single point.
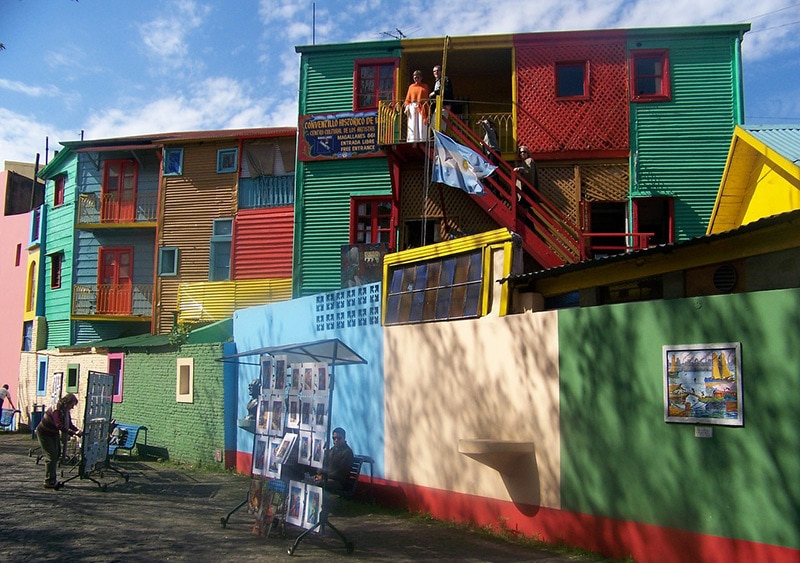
(184, 380)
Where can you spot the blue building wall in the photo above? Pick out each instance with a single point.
(351, 315)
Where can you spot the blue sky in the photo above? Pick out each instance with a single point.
(112, 68)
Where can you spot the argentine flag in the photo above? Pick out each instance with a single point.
(458, 166)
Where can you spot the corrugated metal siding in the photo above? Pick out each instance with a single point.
(262, 243)
(783, 139)
(679, 147)
(191, 203)
(325, 222)
(328, 78)
(215, 301)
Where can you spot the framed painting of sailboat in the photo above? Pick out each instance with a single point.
(703, 384)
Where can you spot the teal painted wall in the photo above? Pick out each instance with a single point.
(679, 147)
(621, 460)
(191, 432)
(59, 229)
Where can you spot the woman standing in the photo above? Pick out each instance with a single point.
(416, 109)
(55, 421)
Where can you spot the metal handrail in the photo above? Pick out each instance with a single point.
(99, 208)
(112, 299)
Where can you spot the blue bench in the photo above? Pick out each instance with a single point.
(131, 436)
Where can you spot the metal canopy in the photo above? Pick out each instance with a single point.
(332, 351)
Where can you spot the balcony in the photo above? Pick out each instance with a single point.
(266, 191)
(108, 210)
(129, 300)
(392, 124)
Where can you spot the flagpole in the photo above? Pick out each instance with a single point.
(440, 95)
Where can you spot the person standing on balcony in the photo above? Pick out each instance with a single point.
(527, 169)
(416, 108)
(446, 90)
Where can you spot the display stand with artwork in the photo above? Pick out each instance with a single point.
(291, 429)
(96, 422)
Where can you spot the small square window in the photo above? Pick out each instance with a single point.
(184, 384)
(650, 76)
(173, 162)
(227, 160)
(571, 80)
(71, 382)
(168, 261)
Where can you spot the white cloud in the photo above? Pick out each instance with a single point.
(22, 136)
(33, 91)
(166, 37)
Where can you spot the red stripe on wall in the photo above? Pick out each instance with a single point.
(611, 537)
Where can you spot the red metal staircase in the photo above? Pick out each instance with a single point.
(547, 234)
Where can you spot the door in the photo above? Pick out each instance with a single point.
(119, 192)
(115, 284)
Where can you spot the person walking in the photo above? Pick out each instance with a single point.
(5, 395)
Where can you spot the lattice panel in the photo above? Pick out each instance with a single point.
(599, 182)
(463, 214)
(605, 182)
(599, 123)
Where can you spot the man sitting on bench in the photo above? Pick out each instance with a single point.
(336, 464)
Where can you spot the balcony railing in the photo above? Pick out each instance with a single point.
(266, 191)
(393, 125)
(94, 209)
(134, 300)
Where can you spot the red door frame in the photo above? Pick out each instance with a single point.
(115, 280)
(119, 191)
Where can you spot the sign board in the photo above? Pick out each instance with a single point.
(338, 135)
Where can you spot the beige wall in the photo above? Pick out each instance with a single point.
(474, 379)
(56, 363)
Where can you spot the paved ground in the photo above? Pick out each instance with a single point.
(164, 513)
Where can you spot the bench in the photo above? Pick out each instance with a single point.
(131, 435)
(7, 421)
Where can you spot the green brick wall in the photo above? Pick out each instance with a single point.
(190, 432)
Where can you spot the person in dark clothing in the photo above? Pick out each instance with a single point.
(55, 422)
(337, 463)
(527, 169)
(446, 90)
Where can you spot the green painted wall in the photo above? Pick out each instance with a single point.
(621, 460)
(679, 147)
(324, 188)
(191, 432)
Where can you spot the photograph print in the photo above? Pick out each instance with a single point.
(304, 448)
(317, 450)
(294, 510)
(313, 506)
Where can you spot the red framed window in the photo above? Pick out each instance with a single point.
(371, 221)
(56, 264)
(572, 80)
(116, 367)
(650, 75)
(374, 81)
(58, 192)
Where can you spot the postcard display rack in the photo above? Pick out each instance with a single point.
(291, 430)
(96, 423)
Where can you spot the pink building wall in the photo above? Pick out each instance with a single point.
(13, 272)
